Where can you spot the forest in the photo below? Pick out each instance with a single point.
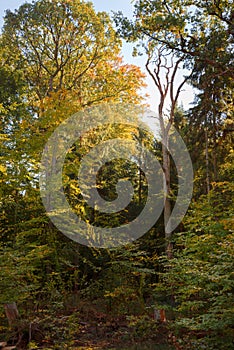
(157, 272)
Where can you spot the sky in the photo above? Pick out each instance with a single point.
(126, 7)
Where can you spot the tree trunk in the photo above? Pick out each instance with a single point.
(166, 186)
(214, 151)
(207, 163)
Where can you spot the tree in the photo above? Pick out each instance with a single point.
(163, 65)
(163, 68)
(210, 122)
(58, 57)
(65, 45)
(69, 58)
(200, 34)
(194, 29)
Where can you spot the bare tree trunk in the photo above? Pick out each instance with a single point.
(207, 162)
(167, 204)
(167, 190)
(214, 151)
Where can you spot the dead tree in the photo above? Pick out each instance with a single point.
(163, 67)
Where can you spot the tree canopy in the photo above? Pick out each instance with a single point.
(169, 289)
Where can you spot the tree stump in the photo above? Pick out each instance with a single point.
(12, 313)
(160, 315)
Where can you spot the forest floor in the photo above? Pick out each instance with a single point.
(88, 328)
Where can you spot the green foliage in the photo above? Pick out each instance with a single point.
(192, 28)
(65, 47)
(202, 33)
(56, 58)
(143, 327)
(200, 276)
